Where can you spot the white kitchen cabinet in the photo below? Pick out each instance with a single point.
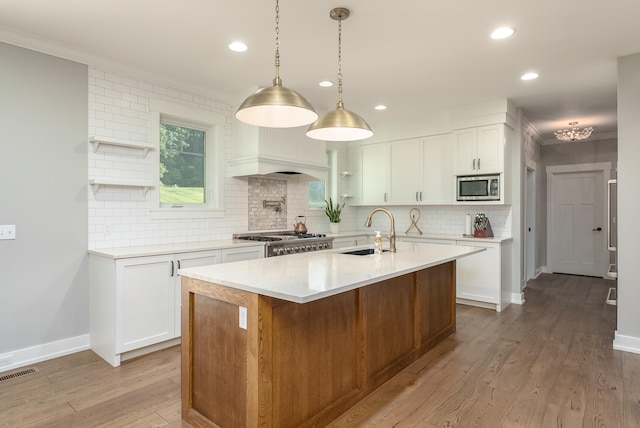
(406, 172)
(243, 253)
(415, 171)
(350, 241)
(135, 302)
(437, 170)
(375, 174)
(483, 278)
(479, 150)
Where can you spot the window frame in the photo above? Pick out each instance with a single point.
(213, 125)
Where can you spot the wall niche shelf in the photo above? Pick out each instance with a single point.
(111, 141)
(99, 182)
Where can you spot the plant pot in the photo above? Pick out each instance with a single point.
(334, 227)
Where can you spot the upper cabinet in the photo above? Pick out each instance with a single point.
(479, 150)
(421, 171)
(375, 174)
(408, 172)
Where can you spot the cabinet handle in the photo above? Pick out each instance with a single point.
(172, 268)
(417, 197)
(474, 164)
(420, 196)
(178, 266)
(478, 164)
(385, 196)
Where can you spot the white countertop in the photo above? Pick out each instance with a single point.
(306, 277)
(425, 236)
(185, 247)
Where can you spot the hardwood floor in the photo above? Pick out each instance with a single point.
(549, 363)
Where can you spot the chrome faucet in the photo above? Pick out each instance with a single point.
(392, 232)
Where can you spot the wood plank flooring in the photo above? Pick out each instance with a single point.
(549, 363)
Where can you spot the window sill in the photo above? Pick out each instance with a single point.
(185, 213)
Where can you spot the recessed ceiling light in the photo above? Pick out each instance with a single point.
(529, 76)
(502, 33)
(380, 107)
(326, 83)
(237, 46)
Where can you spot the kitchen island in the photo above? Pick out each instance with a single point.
(297, 340)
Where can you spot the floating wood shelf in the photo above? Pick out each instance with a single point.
(111, 141)
(100, 182)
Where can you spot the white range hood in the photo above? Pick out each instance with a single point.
(285, 152)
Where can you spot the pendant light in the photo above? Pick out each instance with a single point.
(339, 124)
(276, 106)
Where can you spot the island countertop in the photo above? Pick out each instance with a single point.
(306, 277)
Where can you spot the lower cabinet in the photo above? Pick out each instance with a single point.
(135, 302)
(483, 278)
(350, 241)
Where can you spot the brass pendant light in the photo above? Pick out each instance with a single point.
(276, 106)
(339, 124)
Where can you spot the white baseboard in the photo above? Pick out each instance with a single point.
(626, 343)
(47, 351)
(517, 298)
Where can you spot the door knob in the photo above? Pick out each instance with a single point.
(597, 229)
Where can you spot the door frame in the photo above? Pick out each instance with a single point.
(605, 168)
(530, 196)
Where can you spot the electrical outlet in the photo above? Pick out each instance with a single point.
(6, 360)
(8, 231)
(242, 315)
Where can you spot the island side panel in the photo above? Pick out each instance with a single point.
(435, 305)
(315, 353)
(214, 356)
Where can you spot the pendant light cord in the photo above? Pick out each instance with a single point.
(276, 81)
(340, 62)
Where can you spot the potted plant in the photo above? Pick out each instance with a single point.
(333, 211)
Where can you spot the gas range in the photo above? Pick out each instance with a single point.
(286, 242)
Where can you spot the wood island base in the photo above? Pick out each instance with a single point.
(304, 364)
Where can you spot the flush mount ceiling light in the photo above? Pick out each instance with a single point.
(339, 124)
(574, 133)
(276, 106)
(380, 107)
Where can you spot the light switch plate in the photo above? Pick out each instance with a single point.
(242, 315)
(7, 231)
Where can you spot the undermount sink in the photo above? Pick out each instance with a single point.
(364, 252)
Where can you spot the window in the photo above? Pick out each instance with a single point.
(319, 191)
(182, 165)
(190, 162)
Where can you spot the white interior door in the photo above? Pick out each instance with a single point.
(578, 229)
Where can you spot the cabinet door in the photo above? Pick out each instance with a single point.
(437, 170)
(490, 149)
(145, 296)
(406, 172)
(465, 151)
(243, 253)
(183, 261)
(375, 174)
(478, 275)
(350, 241)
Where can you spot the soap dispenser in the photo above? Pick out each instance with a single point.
(377, 244)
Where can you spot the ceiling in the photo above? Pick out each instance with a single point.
(417, 57)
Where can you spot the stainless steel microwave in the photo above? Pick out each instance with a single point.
(478, 188)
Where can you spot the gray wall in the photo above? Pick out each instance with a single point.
(43, 191)
(589, 151)
(628, 200)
